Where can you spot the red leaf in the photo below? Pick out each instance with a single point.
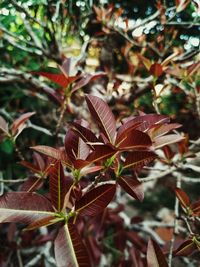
(86, 134)
(4, 126)
(161, 129)
(183, 197)
(32, 184)
(101, 152)
(155, 256)
(132, 186)
(42, 222)
(156, 69)
(19, 123)
(148, 120)
(125, 128)
(96, 200)
(24, 207)
(69, 248)
(186, 248)
(167, 140)
(133, 140)
(195, 207)
(86, 79)
(58, 78)
(138, 159)
(75, 147)
(103, 116)
(58, 186)
(53, 153)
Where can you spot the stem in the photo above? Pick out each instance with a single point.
(64, 106)
(176, 211)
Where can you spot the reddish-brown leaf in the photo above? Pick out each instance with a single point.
(86, 79)
(183, 197)
(132, 186)
(133, 140)
(155, 256)
(4, 126)
(86, 134)
(69, 248)
(101, 152)
(96, 200)
(32, 184)
(103, 116)
(156, 69)
(167, 140)
(195, 207)
(24, 207)
(125, 128)
(186, 248)
(18, 124)
(58, 154)
(138, 159)
(58, 186)
(161, 129)
(58, 78)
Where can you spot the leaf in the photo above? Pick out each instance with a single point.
(96, 200)
(134, 139)
(86, 134)
(77, 150)
(42, 222)
(86, 79)
(186, 248)
(24, 207)
(54, 153)
(195, 207)
(148, 120)
(155, 256)
(58, 78)
(156, 69)
(69, 248)
(132, 186)
(58, 186)
(18, 124)
(138, 159)
(103, 116)
(4, 126)
(167, 140)
(181, 5)
(161, 129)
(32, 184)
(145, 61)
(101, 152)
(30, 166)
(183, 197)
(125, 128)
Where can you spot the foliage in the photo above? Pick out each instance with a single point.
(99, 96)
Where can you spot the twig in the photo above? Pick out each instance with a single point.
(176, 213)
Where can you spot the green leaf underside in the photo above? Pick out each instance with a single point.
(103, 116)
(95, 200)
(69, 248)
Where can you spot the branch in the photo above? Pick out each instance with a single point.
(22, 9)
